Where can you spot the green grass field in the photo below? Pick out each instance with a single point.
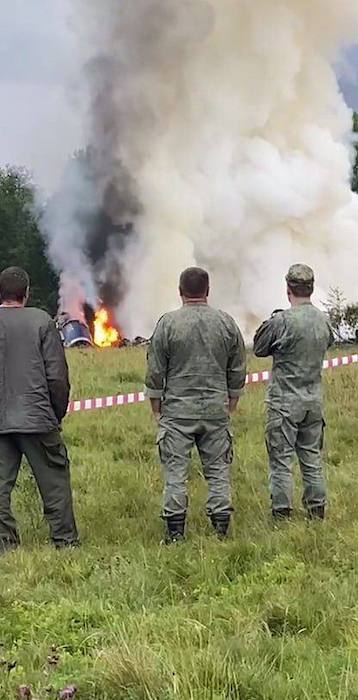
(271, 614)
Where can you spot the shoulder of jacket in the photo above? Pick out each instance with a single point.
(322, 314)
(222, 314)
(282, 316)
(275, 323)
(231, 326)
(162, 322)
(166, 318)
(225, 316)
(42, 316)
(278, 317)
(277, 312)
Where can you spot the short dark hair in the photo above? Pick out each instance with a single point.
(194, 282)
(14, 283)
(304, 291)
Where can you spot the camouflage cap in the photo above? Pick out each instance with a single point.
(300, 274)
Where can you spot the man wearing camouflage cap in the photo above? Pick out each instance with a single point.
(297, 339)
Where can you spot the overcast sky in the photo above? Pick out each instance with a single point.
(349, 79)
(40, 111)
(40, 119)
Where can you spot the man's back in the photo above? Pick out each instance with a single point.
(34, 391)
(33, 372)
(298, 339)
(203, 354)
(196, 374)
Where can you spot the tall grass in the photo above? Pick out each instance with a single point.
(271, 614)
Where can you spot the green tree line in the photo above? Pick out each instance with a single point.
(21, 242)
(355, 167)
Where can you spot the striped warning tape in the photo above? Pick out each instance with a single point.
(139, 397)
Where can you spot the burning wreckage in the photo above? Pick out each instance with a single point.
(96, 331)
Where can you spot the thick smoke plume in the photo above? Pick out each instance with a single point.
(219, 137)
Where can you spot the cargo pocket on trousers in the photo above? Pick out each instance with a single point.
(321, 444)
(55, 450)
(160, 442)
(229, 456)
(273, 435)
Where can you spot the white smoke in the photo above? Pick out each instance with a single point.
(229, 118)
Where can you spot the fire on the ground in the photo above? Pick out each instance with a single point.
(101, 333)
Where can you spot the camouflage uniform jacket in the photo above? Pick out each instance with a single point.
(298, 339)
(196, 361)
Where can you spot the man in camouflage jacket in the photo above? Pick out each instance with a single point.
(297, 339)
(196, 374)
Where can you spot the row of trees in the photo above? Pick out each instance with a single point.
(21, 242)
(355, 168)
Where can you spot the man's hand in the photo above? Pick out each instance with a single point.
(156, 405)
(233, 405)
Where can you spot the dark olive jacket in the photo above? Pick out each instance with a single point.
(34, 384)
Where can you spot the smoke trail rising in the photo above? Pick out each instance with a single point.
(220, 133)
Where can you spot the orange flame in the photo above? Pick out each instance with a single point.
(104, 334)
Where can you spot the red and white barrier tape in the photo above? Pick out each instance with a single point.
(139, 397)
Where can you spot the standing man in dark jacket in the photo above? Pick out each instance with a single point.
(34, 392)
(196, 374)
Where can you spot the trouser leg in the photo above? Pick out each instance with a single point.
(281, 435)
(308, 448)
(215, 446)
(175, 442)
(47, 457)
(10, 460)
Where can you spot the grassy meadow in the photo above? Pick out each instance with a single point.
(271, 614)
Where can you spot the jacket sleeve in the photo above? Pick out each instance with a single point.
(56, 370)
(157, 362)
(267, 335)
(236, 368)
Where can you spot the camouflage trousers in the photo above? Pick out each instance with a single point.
(214, 442)
(297, 430)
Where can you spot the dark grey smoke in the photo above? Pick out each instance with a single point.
(109, 226)
(98, 220)
(89, 223)
(92, 218)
